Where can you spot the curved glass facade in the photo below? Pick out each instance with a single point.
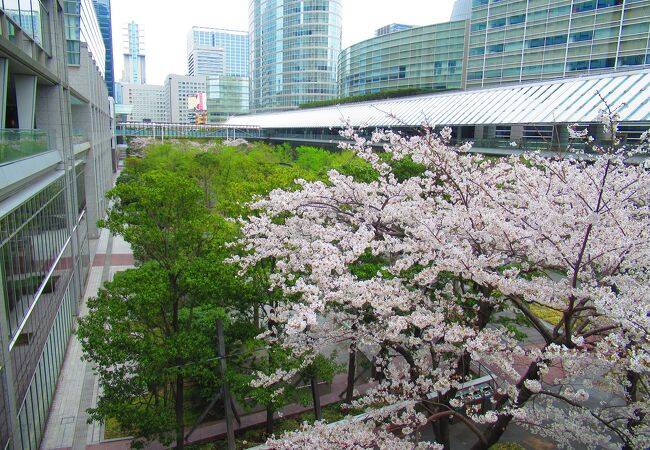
(294, 48)
(429, 57)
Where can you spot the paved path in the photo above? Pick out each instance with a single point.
(76, 390)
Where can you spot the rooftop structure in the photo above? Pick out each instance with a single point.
(524, 113)
(393, 27)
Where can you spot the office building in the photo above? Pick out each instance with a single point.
(294, 49)
(178, 89)
(222, 56)
(427, 58)
(145, 102)
(55, 165)
(103, 11)
(519, 40)
(212, 51)
(393, 27)
(134, 55)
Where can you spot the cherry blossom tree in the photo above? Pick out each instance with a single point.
(465, 251)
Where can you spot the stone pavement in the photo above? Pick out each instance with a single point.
(76, 390)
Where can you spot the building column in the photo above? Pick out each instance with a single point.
(26, 100)
(4, 81)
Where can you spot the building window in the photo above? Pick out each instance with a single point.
(519, 18)
(582, 36)
(498, 23)
(635, 60)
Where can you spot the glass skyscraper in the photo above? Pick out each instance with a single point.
(294, 48)
(103, 11)
(212, 51)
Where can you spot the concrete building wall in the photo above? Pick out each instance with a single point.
(52, 185)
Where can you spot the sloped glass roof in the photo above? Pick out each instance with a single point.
(574, 100)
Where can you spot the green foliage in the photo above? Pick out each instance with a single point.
(367, 97)
(506, 446)
(155, 325)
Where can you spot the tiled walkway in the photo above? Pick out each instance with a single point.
(76, 391)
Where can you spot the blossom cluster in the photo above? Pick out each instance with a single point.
(464, 246)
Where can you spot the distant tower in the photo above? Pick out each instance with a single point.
(294, 47)
(103, 11)
(134, 64)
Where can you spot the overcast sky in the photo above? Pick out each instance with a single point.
(166, 24)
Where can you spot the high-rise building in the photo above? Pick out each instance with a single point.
(56, 162)
(212, 51)
(134, 54)
(222, 56)
(103, 11)
(294, 48)
(178, 89)
(520, 40)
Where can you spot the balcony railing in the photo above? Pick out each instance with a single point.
(19, 144)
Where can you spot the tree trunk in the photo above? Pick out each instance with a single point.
(444, 433)
(496, 430)
(180, 421)
(269, 420)
(352, 368)
(315, 394)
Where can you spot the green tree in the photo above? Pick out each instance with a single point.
(162, 215)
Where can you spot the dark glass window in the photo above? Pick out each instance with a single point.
(478, 26)
(582, 36)
(497, 48)
(584, 6)
(476, 51)
(519, 18)
(556, 40)
(534, 43)
(497, 23)
(635, 60)
(578, 65)
(602, 63)
(475, 75)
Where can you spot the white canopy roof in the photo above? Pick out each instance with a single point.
(573, 100)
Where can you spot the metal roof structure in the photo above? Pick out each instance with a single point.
(573, 100)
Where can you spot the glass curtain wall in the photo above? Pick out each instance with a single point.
(518, 40)
(294, 45)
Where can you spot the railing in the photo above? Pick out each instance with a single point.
(19, 144)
